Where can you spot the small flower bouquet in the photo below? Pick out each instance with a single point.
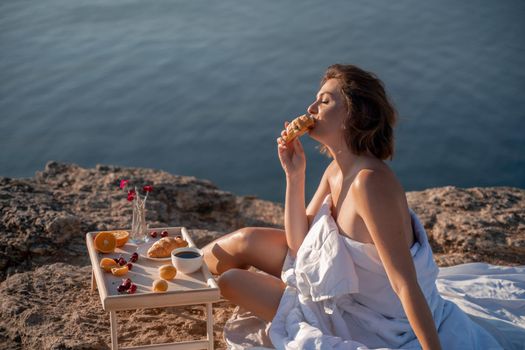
(139, 228)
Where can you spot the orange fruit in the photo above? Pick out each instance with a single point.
(167, 272)
(105, 242)
(107, 264)
(121, 236)
(160, 286)
(119, 271)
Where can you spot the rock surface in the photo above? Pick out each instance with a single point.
(475, 224)
(45, 269)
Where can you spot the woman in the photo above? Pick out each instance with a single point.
(354, 124)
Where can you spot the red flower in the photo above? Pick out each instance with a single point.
(123, 183)
(147, 188)
(131, 195)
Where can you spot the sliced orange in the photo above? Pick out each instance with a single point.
(119, 271)
(107, 264)
(105, 242)
(121, 236)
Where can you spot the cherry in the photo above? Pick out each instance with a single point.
(153, 234)
(134, 257)
(164, 234)
(122, 261)
(132, 288)
(129, 265)
(126, 283)
(121, 288)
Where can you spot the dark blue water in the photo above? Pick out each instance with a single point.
(202, 88)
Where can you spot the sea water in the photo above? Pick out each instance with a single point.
(202, 88)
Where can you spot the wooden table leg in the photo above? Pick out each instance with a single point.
(209, 325)
(113, 326)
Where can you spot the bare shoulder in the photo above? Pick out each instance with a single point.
(329, 173)
(320, 194)
(331, 168)
(377, 181)
(380, 201)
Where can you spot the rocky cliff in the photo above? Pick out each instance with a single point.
(45, 269)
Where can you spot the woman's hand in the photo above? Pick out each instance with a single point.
(291, 155)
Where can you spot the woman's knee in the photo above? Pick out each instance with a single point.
(229, 251)
(228, 281)
(239, 242)
(245, 238)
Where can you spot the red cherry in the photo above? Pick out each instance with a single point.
(129, 265)
(121, 288)
(132, 289)
(126, 283)
(153, 234)
(133, 258)
(164, 234)
(122, 261)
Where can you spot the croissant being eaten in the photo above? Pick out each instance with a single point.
(163, 247)
(298, 127)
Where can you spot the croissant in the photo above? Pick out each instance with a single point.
(163, 247)
(298, 127)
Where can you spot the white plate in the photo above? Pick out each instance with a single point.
(142, 250)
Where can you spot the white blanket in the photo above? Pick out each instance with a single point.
(338, 297)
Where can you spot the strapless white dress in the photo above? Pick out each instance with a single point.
(338, 296)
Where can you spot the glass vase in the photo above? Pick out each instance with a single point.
(139, 228)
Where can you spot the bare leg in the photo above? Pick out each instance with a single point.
(263, 248)
(258, 292)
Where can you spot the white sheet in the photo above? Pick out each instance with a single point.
(338, 297)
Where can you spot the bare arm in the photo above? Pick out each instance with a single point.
(293, 162)
(378, 205)
(295, 207)
(295, 220)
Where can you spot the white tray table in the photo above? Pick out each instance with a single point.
(195, 288)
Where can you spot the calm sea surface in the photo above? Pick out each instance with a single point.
(202, 88)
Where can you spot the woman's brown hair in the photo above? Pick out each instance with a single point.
(371, 118)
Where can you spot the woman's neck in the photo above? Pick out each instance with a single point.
(346, 160)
